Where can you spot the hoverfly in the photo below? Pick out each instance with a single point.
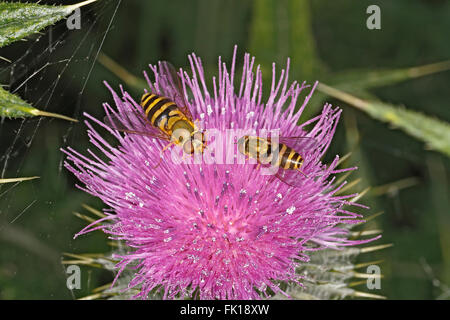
(283, 155)
(166, 118)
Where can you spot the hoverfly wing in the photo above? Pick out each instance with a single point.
(301, 144)
(304, 146)
(168, 70)
(292, 178)
(123, 124)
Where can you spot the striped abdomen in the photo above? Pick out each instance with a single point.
(263, 151)
(289, 158)
(163, 113)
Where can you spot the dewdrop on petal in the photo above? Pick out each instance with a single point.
(215, 231)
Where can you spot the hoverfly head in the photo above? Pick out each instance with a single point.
(181, 133)
(188, 147)
(242, 143)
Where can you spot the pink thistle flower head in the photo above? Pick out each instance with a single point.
(216, 230)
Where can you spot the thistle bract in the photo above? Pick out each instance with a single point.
(216, 230)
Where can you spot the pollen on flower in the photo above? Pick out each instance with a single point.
(129, 195)
(215, 231)
(210, 110)
(290, 210)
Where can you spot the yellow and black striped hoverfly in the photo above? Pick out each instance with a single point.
(285, 155)
(166, 118)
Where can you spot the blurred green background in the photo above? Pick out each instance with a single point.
(328, 41)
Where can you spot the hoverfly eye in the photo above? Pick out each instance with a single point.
(188, 148)
(241, 146)
(180, 135)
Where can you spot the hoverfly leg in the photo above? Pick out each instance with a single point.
(167, 147)
(161, 153)
(306, 176)
(159, 162)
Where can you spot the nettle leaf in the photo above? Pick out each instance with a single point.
(19, 20)
(11, 180)
(435, 133)
(12, 106)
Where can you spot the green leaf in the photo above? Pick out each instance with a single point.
(435, 133)
(356, 80)
(11, 180)
(19, 20)
(12, 106)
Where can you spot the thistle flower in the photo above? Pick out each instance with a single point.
(216, 231)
